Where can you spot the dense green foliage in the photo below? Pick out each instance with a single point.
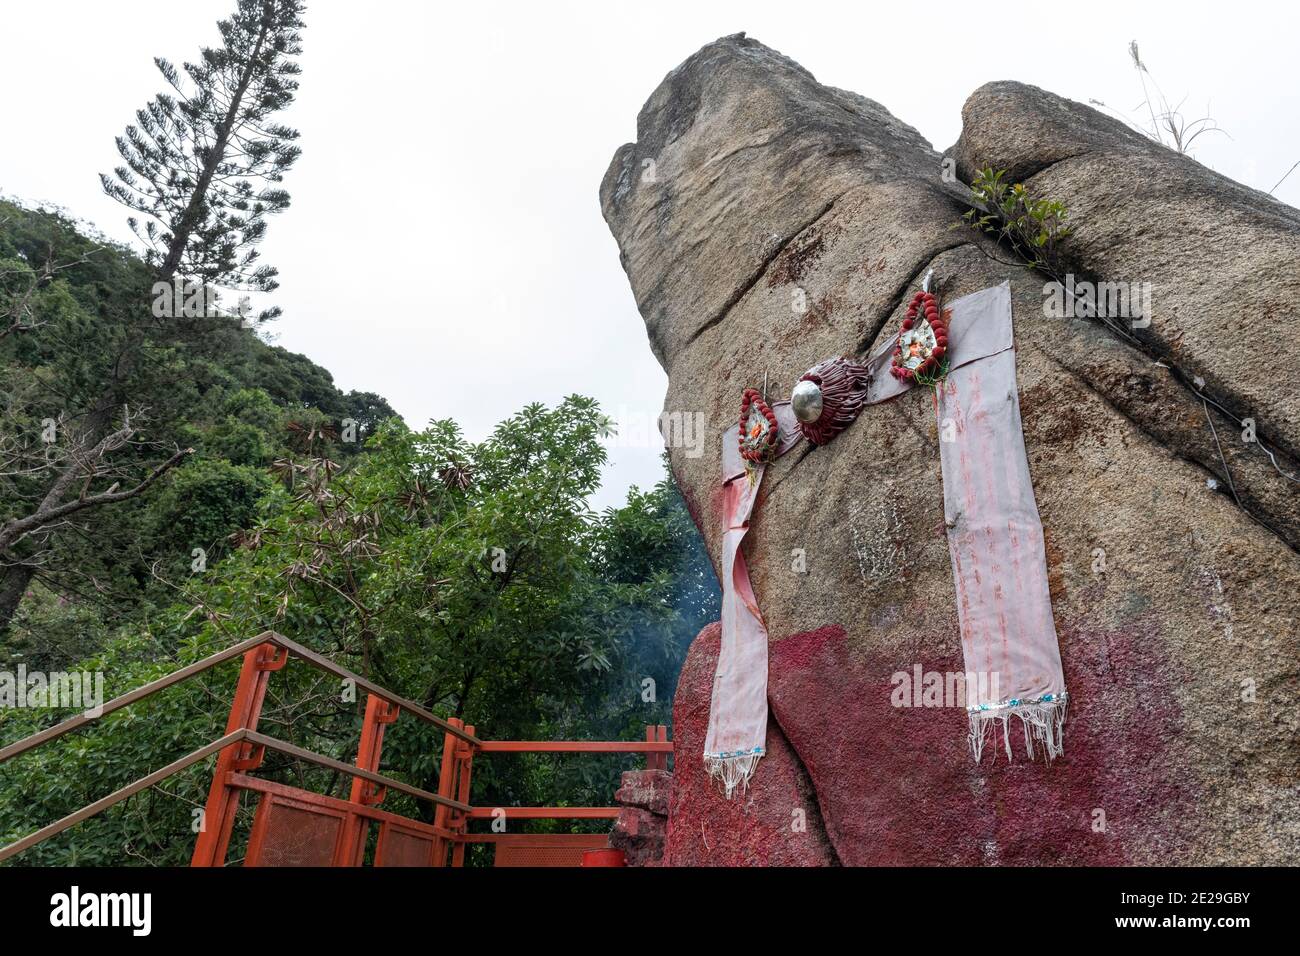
(471, 577)
(215, 387)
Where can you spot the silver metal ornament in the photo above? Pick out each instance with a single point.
(806, 401)
(840, 389)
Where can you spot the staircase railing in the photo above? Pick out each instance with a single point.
(343, 841)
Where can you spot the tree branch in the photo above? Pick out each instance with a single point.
(51, 510)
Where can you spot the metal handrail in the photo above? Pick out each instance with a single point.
(245, 735)
(575, 747)
(185, 673)
(329, 763)
(237, 736)
(117, 796)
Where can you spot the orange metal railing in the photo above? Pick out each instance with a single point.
(295, 826)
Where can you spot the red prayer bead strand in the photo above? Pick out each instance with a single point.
(752, 397)
(926, 305)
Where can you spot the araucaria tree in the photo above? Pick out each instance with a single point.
(85, 392)
(203, 166)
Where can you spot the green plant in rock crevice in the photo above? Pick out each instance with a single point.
(1033, 228)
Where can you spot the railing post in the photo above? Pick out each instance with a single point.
(379, 714)
(656, 734)
(223, 800)
(465, 753)
(652, 760)
(446, 788)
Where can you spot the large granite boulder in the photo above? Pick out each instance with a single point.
(766, 222)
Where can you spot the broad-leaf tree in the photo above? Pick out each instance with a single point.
(469, 576)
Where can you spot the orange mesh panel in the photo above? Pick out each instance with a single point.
(297, 835)
(548, 849)
(399, 846)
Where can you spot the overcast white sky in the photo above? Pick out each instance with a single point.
(445, 246)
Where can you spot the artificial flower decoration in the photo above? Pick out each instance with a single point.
(995, 535)
(922, 342)
(758, 429)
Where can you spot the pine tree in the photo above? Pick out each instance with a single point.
(203, 166)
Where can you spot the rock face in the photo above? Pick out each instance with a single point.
(1220, 260)
(647, 790)
(642, 823)
(753, 191)
(640, 835)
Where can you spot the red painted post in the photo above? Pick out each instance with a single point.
(245, 709)
(656, 734)
(379, 714)
(446, 788)
(460, 821)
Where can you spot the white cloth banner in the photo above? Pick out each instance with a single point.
(999, 564)
(738, 712)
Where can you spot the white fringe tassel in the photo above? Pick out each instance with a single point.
(1042, 721)
(732, 772)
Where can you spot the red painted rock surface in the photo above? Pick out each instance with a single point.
(642, 825)
(899, 785)
(776, 823)
(640, 835)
